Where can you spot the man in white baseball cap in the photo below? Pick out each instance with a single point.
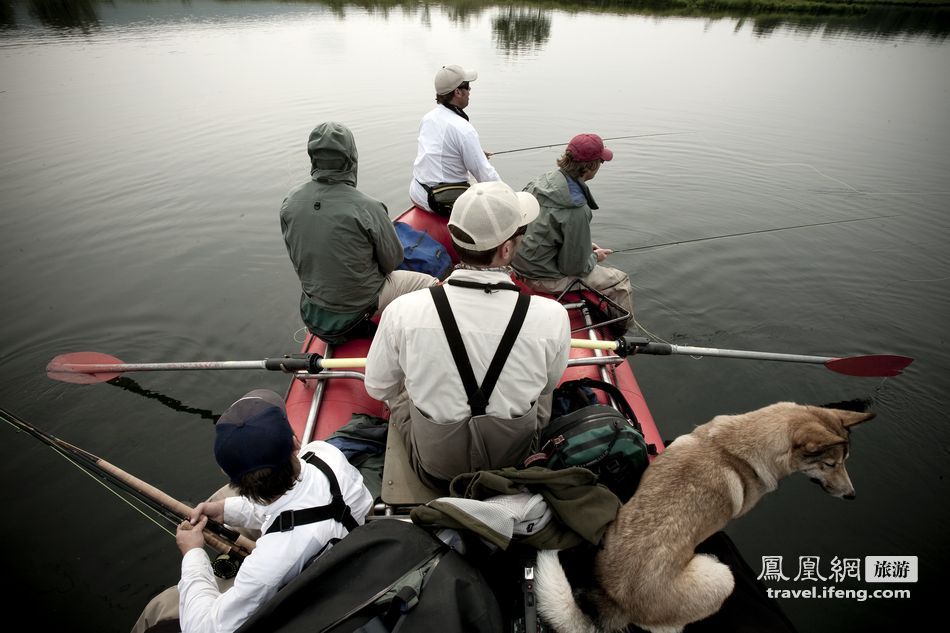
(475, 355)
(449, 150)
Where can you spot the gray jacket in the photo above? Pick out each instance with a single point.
(342, 242)
(558, 242)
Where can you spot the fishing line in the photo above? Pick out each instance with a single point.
(812, 167)
(612, 138)
(906, 193)
(926, 281)
(125, 500)
(720, 237)
(764, 164)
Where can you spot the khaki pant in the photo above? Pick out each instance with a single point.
(613, 283)
(400, 422)
(164, 606)
(400, 282)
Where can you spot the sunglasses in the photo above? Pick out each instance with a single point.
(464, 86)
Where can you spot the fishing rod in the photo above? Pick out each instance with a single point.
(217, 536)
(612, 138)
(720, 237)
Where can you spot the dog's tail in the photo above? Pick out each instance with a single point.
(556, 604)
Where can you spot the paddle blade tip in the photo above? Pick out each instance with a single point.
(874, 365)
(68, 368)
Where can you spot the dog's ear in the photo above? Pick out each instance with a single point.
(816, 442)
(853, 418)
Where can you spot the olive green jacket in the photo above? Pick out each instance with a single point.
(582, 508)
(558, 242)
(342, 242)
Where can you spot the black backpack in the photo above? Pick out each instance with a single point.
(364, 583)
(605, 440)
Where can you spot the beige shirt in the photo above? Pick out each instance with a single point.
(410, 345)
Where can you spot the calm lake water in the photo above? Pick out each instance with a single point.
(795, 199)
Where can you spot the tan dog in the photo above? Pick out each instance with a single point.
(648, 572)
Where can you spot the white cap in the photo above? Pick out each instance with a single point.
(491, 212)
(451, 77)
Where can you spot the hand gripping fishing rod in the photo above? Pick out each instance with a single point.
(217, 536)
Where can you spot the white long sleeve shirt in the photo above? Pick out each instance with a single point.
(278, 557)
(449, 150)
(410, 344)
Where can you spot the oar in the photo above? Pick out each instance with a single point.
(92, 367)
(612, 138)
(868, 365)
(217, 536)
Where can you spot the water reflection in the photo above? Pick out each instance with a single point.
(127, 384)
(875, 23)
(518, 29)
(66, 14)
(526, 26)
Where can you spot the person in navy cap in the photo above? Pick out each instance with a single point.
(285, 491)
(557, 249)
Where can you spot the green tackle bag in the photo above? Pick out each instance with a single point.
(604, 439)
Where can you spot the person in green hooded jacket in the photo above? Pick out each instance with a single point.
(557, 249)
(342, 242)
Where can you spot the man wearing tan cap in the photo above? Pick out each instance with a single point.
(557, 248)
(475, 354)
(449, 149)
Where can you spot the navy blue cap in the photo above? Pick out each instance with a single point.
(253, 433)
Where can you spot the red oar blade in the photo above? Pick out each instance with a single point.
(69, 368)
(872, 365)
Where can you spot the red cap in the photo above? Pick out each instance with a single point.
(588, 147)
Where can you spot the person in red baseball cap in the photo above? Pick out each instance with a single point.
(557, 249)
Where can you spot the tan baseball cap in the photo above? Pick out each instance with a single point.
(491, 212)
(451, 77)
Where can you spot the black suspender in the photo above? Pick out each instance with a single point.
(478, 396)
(336, 509)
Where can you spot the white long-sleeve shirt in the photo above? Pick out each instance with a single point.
(410, 344)
(449, 150)
(279, 556)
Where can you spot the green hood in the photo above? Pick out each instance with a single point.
(333, 156)
(551, 190)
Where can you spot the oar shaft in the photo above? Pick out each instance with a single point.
(286, 364)
(875, 365)
(736, 353)
(665, 349)
(111, 368)
(583, 343)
